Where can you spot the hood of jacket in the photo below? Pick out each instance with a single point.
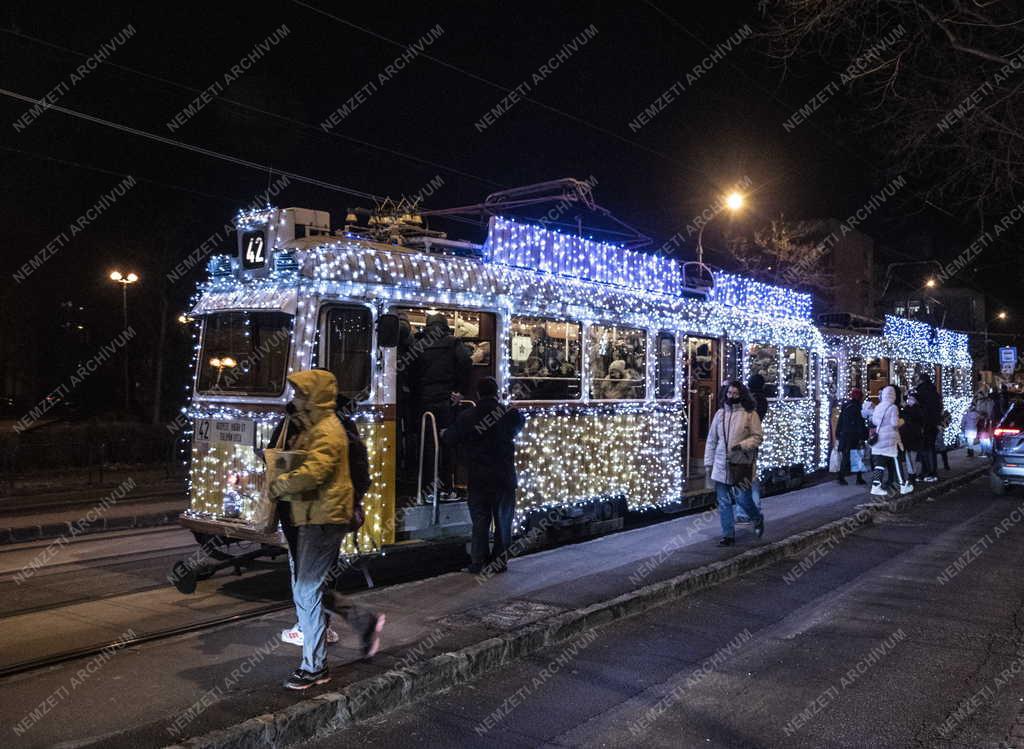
(888, 395)
(320, 388)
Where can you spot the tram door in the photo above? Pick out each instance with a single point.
(702, 367)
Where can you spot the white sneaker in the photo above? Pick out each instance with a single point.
(293, 636)
(906, 488)
(877, 490)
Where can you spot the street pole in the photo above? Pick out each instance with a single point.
(124, 352)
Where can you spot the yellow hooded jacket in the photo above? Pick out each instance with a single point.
(320, 489)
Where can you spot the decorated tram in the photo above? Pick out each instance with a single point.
(616, 364)
(870, 354)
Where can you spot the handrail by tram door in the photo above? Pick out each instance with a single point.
(436, 515)
(423, 446)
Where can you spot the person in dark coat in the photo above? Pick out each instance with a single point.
(756, 387)
(441, 371)
(912, 435)
(931, 416)
(851, 433)
(487, 432)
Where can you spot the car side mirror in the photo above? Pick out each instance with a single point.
(388, 328)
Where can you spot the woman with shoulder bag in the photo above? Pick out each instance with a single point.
(730, 456)
(885, 443)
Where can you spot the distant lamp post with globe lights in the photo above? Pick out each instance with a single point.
(221, 363)
(125, 279)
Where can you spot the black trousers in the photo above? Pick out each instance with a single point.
(929, 458)
(491, 507)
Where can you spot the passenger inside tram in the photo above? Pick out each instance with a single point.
(545, 360)
(432, 371)
(618, 362)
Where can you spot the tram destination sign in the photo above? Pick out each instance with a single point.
(235, 431)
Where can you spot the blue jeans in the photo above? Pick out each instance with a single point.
(726, 494)
(487, 507)
(755, 494)
(316, 553)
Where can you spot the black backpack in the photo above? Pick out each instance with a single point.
(359, 470)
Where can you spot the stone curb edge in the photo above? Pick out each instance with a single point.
(332, 711)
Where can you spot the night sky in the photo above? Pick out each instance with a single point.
(723, 127)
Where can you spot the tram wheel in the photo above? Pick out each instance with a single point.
(184, 576)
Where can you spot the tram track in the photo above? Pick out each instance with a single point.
(65, 656)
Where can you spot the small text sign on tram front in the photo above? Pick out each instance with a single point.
(235, 431)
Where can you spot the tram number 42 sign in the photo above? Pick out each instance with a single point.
(235, 431)
(254, 253)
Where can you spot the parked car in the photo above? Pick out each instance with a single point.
(1008, 450)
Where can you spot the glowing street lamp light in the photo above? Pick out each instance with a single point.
(931, 283)
(222, 363)
(1002, 315)
(125, 279)
(734, 201)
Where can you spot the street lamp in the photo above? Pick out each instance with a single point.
(125, 280)
(222, 363)
(1002, 315)
(734, 202)
(704, 279)
(931, 283)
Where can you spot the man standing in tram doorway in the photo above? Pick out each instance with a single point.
(488, 432)
(322, 503)
(441, 375)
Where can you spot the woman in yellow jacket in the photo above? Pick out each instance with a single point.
(321, 501)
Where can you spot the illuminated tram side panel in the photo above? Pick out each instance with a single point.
(589, 339)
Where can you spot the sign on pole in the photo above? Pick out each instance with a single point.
(1008, 359)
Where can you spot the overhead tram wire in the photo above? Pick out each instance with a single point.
(189, 147)
(264, 112)
(101, 170)
(505, 89)
(208, 152)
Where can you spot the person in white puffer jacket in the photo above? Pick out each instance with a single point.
(885, 451)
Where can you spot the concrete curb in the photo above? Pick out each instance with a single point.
(364, 699)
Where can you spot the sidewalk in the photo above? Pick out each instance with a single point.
(440, 631)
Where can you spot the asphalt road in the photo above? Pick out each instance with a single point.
(907, 633)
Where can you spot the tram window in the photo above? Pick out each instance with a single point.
(245, 353)
(618, 362)
(665, 385)
(544, 362)
(764, 361)
(878, 376)
(348, 332)
(797, 372)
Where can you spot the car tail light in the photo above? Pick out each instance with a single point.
(1006, 432)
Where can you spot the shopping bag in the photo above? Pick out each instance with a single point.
(857, 460)
(279, 461)
(834, 461)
